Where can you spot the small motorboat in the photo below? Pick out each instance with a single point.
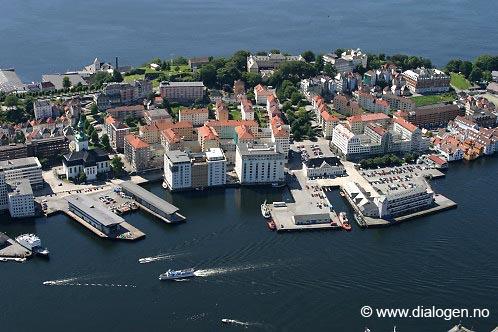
(271, 224)
(265, 210)
(344, 221)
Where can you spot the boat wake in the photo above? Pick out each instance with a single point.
(77, 282)
(238, 322)
(160, 257)
(225, 270)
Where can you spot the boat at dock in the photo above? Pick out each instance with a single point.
(265, 210)
(33, 243)
(178, 274)
(13, 259)
(344, 221)
(271, 224)
(278, 185)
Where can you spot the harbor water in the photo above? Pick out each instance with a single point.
(58, 35)
(274, 282)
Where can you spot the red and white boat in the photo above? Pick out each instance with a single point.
(344, 221)
(271, 225)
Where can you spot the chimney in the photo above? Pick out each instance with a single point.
(116, 67)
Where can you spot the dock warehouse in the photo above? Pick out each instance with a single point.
(95, 213)
(151, 202)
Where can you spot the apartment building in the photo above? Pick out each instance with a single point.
(221, 111)
(20, 199)
(261, 93)
(18, 170)
(184, 170)
(432, 116)
(426, 80)
(42, 109)
(137, 152)
(269, 62)
(116, 131)
(246, 110)
(182, 92)
(195, 115)
(372, 104)
(259, 163)
(123, 112)
(399, 103)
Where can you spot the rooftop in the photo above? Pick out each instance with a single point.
(95, 209)
(149, 197)
(12, 164)
(177, 156)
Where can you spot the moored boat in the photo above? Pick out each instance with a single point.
(344, 221)
(265, 210)
(33, 243)
(271, 224)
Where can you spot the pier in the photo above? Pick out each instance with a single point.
(10, 249)
(310, 210)
(97, 218)
(152, 204)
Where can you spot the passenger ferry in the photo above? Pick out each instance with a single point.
(178, 274)
(33, 243)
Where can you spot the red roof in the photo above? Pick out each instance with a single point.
(186, 111)
(244, 132)
(405, 124)
(231, 123)
(207, 133)
(329, 117)
(109, 120)
(136, 142)
(368, 117)
(436, 159)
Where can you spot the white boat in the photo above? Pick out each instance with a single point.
(278, 185)
(178, 274)
(13, 259)
(265, 210)
(33, 243)
(165, 186)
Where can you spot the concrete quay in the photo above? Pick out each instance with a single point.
(10, 249)
(310, 210)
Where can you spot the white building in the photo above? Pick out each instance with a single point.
(426, 80)
(246, 110)
(184, 170)
(18, 170)
(217, 167)
(21, 199)
(396, 202)
(182, 92)
(195, 115)
(42, 109)
(347, 142)
(177, 170)
(259, 163)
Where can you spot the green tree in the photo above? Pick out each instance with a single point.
(465, 68)
(81, 177)
(308, 56)
(329, 69)
(116, 76)
(339, 51)
(487, 76)
(454, 65)
(486, 62)
(104, 140)
(475, 74)
(66, 83)
(94, 109)
(11, 100)
(319, 63)
(296, 98)
(117, 165)
(207, 75)
(251, 79)
(165, 104)
(94, 137)
(99, 78)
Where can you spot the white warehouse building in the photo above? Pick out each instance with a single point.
(259, 163)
